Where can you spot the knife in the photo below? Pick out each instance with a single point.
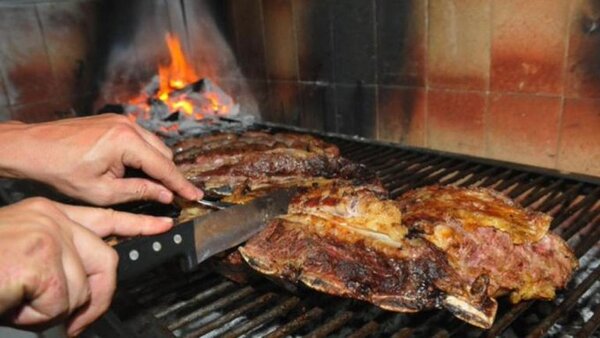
(196, 240)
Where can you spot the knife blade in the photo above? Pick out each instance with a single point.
(196, 240)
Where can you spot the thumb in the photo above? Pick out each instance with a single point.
(133, 189)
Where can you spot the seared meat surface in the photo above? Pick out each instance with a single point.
(484, 233)
(257, 161)
(435, 247)
(349, 241)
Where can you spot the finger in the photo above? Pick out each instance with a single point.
(148, 160)
(104, 222)
(154, 141)
(133, 189)
(100, 263)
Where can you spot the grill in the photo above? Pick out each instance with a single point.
(169, 303)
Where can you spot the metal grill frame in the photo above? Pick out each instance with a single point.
(573, 201)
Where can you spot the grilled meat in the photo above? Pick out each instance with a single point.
(349, 241)
(484, 233)
(257, 161)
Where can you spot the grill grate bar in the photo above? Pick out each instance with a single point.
(591, 325)
(171, 288)
(480, 176)
(423, 178)
(519, 190)
(456, 171)
(503, 186)
(503, 323)
(412, 170)
(219, 288)
(390, 170)
(491, 180)
(338, 321)
(589, 240)
(463, 174)
(228, 317)
(563, 199)
(296, 323)
(587, 202)
(281, 309)
(540, 192)
(566, 305)
(383, 155)
(585, 217)
(366, 330)
(222, 302)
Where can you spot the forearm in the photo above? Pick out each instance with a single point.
(13, 152)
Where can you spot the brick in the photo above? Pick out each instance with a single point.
(42, 111)
(579, 148)
(70, 32)
(317, 107)
(355, 110)
(354, 41)
(528, 45)
(313, 24)
(280, 40)
(459, 44)
(402, 115)
(5, 113)
(283, 104)
(26, 67)
(248, 23)
(523, 129)
(3, 97)
(455, 121)
(583, 60)
(401, 42)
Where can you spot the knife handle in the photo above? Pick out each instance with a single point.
(140, 254)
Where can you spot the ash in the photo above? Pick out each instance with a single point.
(198, 108)
(587, 303)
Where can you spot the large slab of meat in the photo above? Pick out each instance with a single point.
(254, 161)
(434, 247)
(437, 247)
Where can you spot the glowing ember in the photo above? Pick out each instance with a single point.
(177, 94)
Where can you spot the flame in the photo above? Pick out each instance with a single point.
(176, 75)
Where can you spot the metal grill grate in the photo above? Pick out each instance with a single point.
(206, 304)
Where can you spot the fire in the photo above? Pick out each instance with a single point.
(178, 87)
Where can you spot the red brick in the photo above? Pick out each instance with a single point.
(579, 148)
(283, 103)
(401, 42)
(27, 70)
(459, 31)
(402, 115)
(280, 40)
(583, 61)
(4, 113)
(3, 97)
(528, 45)
(69, 32)
(455, 121)
(42, 111)
(523, 129)
(248, 24)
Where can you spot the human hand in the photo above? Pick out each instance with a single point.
(86, 158)
(53, 269)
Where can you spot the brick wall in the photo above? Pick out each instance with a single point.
(505, 79)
